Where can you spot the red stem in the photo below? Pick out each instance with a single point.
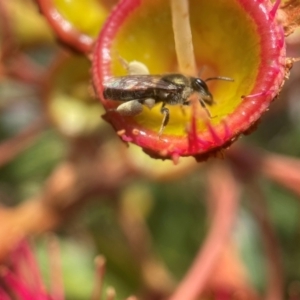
(57, 286)
(283, 170)
(64, 29)
(7, 36)
(10, 148)
(274, 263)
(224, 195)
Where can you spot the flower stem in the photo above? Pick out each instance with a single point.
(224, 198)
(183, 37)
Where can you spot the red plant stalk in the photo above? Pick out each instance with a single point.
(66, 31)
(282, 169)
(275, 288)
(13, 146)
(224, 194)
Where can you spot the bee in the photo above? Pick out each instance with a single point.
(138, 90)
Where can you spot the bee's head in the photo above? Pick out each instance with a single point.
(199, 86)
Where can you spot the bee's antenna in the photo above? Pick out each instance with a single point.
(123, 62)
(219, 78)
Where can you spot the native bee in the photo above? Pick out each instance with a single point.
(136, 90)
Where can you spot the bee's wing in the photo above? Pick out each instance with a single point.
(138, 83)
(136, 87)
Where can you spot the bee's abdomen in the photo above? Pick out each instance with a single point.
(127, 95)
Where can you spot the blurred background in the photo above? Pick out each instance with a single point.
(148, 217)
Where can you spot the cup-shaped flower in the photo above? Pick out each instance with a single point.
(239, 39)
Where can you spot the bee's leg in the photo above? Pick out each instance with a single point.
(182, 109)
(130, 108)
(205, 108)
(165, 121)
(149, 102)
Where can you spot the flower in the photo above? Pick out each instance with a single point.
(252, 53)
(20, 278)
(74, 30)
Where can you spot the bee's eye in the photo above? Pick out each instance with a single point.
(200, 86)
